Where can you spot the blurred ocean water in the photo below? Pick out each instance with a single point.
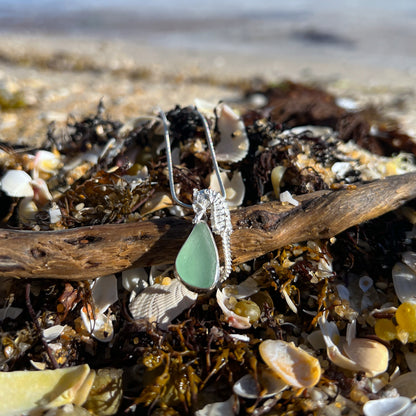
(375, 32)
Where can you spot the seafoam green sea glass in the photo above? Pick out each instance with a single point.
(197, 263)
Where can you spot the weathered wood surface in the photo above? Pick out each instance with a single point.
(89, 252)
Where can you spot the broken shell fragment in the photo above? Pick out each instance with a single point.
(104, 294)
(17, 183)
(232, 318)
(234, 188)
(276, 178)
(391, 406)
(162, 303)
(48, 389)
(294, 365)
(267, 386)
(405, 384)
(234, 142)
(404, 280)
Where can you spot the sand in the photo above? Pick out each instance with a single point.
(57, 76)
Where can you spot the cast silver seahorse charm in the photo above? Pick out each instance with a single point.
(208, 199)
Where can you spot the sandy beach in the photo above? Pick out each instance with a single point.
(49, 77)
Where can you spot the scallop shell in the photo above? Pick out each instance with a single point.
(294, 365)
(162, 303)
(234, 142)
(391, 406)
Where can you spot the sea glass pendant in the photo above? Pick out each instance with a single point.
(197, 263)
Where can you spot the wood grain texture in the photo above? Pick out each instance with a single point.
(89, 252)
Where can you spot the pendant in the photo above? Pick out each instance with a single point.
(197, 263)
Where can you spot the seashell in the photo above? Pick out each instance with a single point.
(53, 332)
(267, 386)
(233, 319)
(9, 312)
(245, 289)
(410, 358)
(27, 210)
(405, 384)
(294, 365)
(359, 354)
(372, 356)
(55, 214)
(365, 283)
(41, 194)
(234, 188)
(404, 281)
(341, 169)
(287, 197)
(45, 163)
(411, 410)
(17, 183)
(409, 259)
(162, 303)
(134, 279)
(48, 389)
(234, 143)
(276, 178)
(104, 294)
(158, 201)
(229, 407)
(391, 406)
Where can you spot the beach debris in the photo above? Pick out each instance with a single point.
(292, 364)
(276, 178)
(48, 389)
(356, 354)
(96, 321)
(239, 312)
(265, 386)
(234, 143)
(228, 407)
(234, 188)
(389, 406)
(17, 183)
(162, 302)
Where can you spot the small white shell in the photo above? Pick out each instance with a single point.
(405, 384)
(229, 407)
(270, 385)
(234, 142)
(97, 323)
(134, 279)
(392, 406)
(294, 365)
(234, 188)
(287, 197)
(45, 162)
(365, 283)
(404, 280)
(53, 332)
(17, 183)
(9, 312)
(162, 303)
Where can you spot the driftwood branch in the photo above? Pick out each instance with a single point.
(89, 252)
